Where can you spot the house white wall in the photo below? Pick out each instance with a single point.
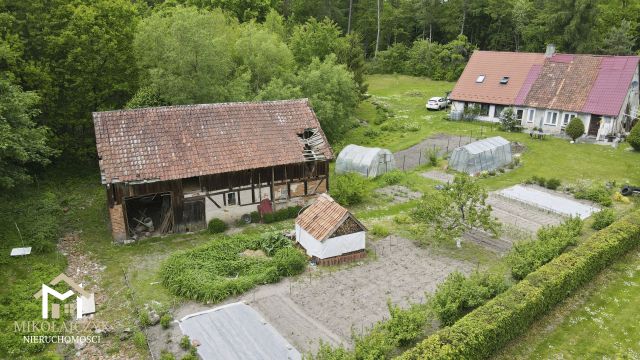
(330, 247)
(538, 120)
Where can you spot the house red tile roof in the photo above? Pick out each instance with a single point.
(494, 65)
(581, 83)
(564, 84)
(323, 217)
(167, 143)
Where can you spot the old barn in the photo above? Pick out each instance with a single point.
(172, 169)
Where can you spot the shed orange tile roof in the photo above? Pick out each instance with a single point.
(494, 65)
(323, 217)
(173, 142)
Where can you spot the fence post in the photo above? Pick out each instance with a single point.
(404, 157)
(420, 157)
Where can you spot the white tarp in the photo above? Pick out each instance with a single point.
(369, 162)
(236, 332)
(332, 246)
(550, 202)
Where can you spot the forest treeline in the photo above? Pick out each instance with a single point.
(60, 60)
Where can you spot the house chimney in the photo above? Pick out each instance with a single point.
(551, 49)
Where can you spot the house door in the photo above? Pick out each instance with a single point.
(594, 125)
(193, 216)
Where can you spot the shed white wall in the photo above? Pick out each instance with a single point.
(331, 247)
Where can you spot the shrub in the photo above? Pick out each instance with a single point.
(485, 330)
(597, 193)
(634, 137)
(459, 294)
(271, 242)
(349, 189)
(216, 226)
(371, 132)
(143, 317)
(575, 129)
(216, 270)
(185, 343)
(165, 355)
(508, 121)
(282, 214)
(392, 177)
(537, 180)
(379, 230)
(290, 261)
(165, 321)
(432, 155)
(603, 218)
(139, 340)
(526, 257)
(552, 183)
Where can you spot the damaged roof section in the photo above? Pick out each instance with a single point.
(173, 142)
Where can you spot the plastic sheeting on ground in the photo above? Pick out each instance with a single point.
(550, 202)
(369, 162)
(236, 331)
(483, 155)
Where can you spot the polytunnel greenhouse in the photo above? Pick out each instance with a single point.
(483, 155)
(369, 162)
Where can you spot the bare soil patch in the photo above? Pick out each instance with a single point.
(398, 193)
(414, 156)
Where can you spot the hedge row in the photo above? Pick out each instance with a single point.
(485, 330)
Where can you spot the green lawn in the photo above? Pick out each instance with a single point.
(600, 321)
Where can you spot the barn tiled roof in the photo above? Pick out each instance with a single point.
(166, 143)
(322, 217)
(564, 84)
(494, 65)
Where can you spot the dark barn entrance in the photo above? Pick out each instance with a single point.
(149, 215)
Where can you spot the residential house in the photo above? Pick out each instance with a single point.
(548, 90)
(172, 169)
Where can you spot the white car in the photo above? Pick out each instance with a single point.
(437, 103)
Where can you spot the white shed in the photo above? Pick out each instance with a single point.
(369, 162)
(326, 230)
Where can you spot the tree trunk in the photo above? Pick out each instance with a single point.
(349, 21)
(378, 33)
(464, 16)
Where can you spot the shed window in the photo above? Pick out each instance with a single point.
(480, 79)
(551, 118)
(504, 80)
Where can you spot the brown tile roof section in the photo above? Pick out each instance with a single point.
(494, 65)
(166, 143)
(564, 85)
(322, 217)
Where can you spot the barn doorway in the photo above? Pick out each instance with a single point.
(149, 215)
(594, 125)
(193, 215)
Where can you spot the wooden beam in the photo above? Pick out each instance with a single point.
(273, 176)
(214, 202)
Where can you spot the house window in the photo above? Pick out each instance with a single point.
(504, 80)
(480, 79)
(231, 198)
(519, 114)
(484, 109)
(566, 117)
(498, 110)
(531, 115)
(551, 118)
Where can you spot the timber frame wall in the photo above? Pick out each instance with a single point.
(210, 185)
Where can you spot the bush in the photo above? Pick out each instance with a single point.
(143, 317)
(603, 218)
(349, 189)
(392, 177)
(508, 121)
(526, 257)
(218, 269)
(552, 183)
(290, 212)
(575, 129)
(537, 180)
(185, 343)
(485, 330)
(165, 355)
(597, 193)
(216, 226)
(271, 242)
(139, 340)
(634, 137)
(459, 294)
(255, 217)
(165, 321)
(290, 261)
(432, 155)
(379, 230)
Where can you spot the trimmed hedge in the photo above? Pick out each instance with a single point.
(485, 330)
(282, 214)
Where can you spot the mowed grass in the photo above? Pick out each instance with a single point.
(601, 321)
